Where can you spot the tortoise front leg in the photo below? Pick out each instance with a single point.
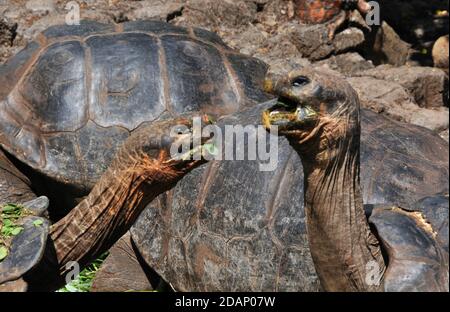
(14, 185)
(15, 188)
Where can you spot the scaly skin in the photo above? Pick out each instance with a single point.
(140, 172)
(14, 186)
(340, 239)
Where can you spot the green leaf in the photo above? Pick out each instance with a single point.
(38, 222)
(6, 231)
(7, 223)
(10, 207)
(16, 231)
(3, 252)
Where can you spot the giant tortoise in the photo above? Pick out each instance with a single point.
(320, 116)
(70, 99)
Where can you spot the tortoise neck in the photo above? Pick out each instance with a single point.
(111, 208)
(342, 245)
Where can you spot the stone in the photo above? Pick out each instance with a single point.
(440, 53)
(433, 119)
(312, 41)
(392, 47)
(383, 96)
(393, 100)
(151, 9)
(213, 14)
(428, 86)
(384, 46)
(347, 63)
(348, 39)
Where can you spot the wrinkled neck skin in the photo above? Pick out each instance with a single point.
(94, 225)
(341, 243)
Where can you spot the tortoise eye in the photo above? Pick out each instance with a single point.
(300, 81)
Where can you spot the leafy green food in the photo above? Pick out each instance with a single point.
(3, 252)
(10, 214)
(84, 280)
(16, 231)
(37, 222)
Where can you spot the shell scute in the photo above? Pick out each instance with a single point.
(126, 88)
(198, 78)
(55, 88)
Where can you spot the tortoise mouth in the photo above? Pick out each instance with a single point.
(289, 115)
(195, 156)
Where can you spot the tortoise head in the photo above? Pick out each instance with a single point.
(313, 107)
(170, 145)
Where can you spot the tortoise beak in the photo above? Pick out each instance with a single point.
(287, 115)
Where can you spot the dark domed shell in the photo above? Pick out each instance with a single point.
(71, 98)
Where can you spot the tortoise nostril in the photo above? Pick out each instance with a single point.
(300, 81)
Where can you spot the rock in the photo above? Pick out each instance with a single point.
(156, 9)
(395, 50)
(212, 14)
(348, 39)
(440, 53)
(384, 46)
(391, 99)
(274, 49)
(121, 271)
(249, 41)
(312, 41)
(40, 5)
(428, 86)
(433, 119)
(347, 63)
(383, 97)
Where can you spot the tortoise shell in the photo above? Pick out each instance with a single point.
(70, 98)
(317, 11)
